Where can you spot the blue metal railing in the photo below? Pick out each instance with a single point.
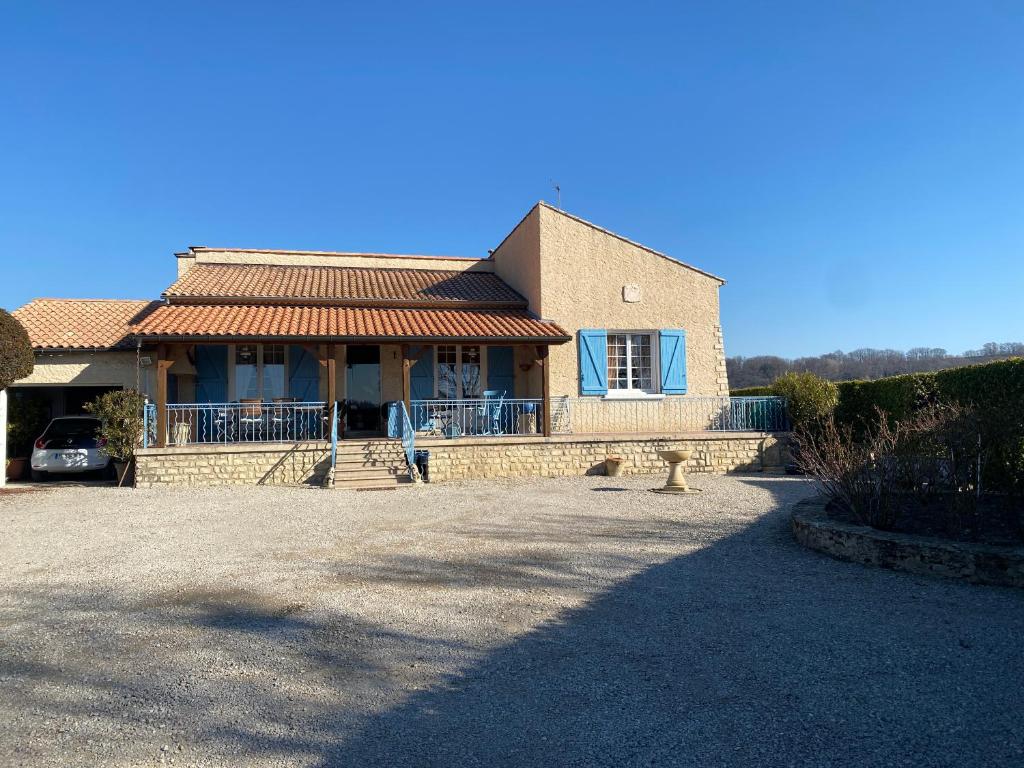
(334, 435)
(256, 422)
(148, 425)
(582, 415)
(589, 415)
(480, 416)
(400, 426)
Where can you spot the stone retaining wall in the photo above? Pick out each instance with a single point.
(252, 464)
(479, 457)
(978, 563)
(465, 458)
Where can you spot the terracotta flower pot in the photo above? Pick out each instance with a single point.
(121, 469)
(16, 468)
(613, 466)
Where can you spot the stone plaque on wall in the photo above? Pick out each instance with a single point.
(631, 293)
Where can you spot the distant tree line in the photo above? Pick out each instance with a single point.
(862, 364)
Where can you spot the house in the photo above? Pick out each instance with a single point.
(565, 344)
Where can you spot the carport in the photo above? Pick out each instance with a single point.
(83, 348)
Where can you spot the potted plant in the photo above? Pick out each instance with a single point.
(121, 424)
(27, 418)
(16, 362)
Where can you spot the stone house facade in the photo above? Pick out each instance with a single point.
(564, 328)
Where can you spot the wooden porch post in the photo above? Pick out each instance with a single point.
(162, 366)
(407, 363)
(325, 353)
(545, 363)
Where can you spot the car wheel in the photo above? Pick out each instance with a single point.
(38, 476)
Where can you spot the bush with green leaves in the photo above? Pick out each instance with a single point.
(751, 392)
(16, 358)
(809, 398)
(121, 421)
(994, 393)
(27, 417)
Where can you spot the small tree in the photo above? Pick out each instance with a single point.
(809, 398)
(16, 359)
(121, 421)
(26, 420)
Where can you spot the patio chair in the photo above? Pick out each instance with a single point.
(282, 418)
(223, 422)
(250, 419)
(491, 411)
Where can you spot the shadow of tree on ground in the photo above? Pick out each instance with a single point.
(737, 648)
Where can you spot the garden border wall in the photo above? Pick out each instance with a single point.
(924, 555)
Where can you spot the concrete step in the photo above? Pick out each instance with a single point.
(373, 483)
(349, 462)
(381, 473)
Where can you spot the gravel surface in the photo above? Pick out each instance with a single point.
(578, 621)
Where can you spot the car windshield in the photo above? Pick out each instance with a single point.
(72, 428)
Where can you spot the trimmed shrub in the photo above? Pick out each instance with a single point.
(121, 421)
(809, 398)
(27, 417)
(751, 392)
(994, 392)
(16, 359)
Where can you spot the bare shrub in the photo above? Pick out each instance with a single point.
(931, 460)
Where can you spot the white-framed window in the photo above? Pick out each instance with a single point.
(259, 371)
(461, 371)
(632, 361)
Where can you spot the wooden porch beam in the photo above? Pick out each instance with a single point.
(163, 364)
(325, 353)
(407, 364)
(545, 362)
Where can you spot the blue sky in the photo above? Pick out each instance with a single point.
(854, 169)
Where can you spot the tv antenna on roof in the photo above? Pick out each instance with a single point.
(558, 195)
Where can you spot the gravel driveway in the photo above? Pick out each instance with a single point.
(577, 621)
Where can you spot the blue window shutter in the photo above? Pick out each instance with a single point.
(593, 345)
(211, 373)
(673, 362)
(421, 375)
(501, 370)
(303, 375)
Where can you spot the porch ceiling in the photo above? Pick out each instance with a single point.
(227, 322)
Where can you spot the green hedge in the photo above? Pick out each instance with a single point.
(751, 392)
(994, 390)
(995, 386)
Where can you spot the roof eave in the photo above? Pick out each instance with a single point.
(393, 339)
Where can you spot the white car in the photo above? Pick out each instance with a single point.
(69, 445)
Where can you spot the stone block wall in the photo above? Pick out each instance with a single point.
(255, 464)
(472, 458)
(462, 459)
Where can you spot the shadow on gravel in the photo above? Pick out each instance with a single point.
(749, 651)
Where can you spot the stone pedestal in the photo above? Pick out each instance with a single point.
(676, 482)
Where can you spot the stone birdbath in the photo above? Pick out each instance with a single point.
(676, 479)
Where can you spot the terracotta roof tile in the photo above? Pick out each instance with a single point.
(330, 322)
(343, 284)
(79, 323)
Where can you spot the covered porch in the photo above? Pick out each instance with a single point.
(269, 390)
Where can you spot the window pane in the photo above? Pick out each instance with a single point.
(472, 386)
(618, 377)
(640, 353)
(273, 371)
(246, 380)
(447, 383)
